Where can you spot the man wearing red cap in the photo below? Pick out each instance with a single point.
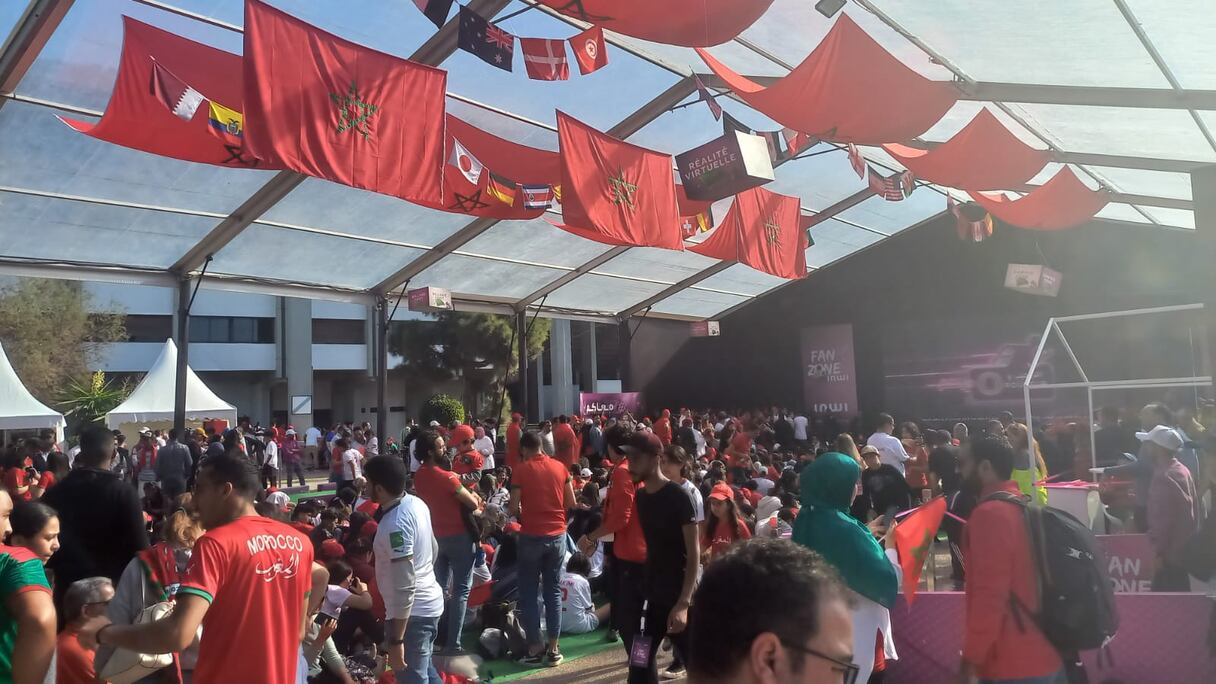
(662, 427)
(468, 460)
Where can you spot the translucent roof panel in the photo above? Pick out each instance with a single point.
(1122, 212)
(660, 265)
(600, 99)
(835, 240)
(1182, 32)
(494, 280)
(964, 111)
(698, 303)
(59, 230)
(1178, 218)
(742, 279)
(1081, 42)
(889, 218)
(1143, 182)
(262, 251)
(1162, 133)
(535, 241)
(820, 181)
(40, 153)
(602, 293)
(736, 56)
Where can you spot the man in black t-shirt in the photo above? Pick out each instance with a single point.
(945, 479)
(883, 487)
(672, 557)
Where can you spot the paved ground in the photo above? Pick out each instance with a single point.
(607, 667)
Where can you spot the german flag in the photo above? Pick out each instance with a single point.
(501, 189)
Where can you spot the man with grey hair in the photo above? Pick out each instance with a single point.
(86, 598)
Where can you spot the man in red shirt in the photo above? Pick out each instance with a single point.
(247, 583)
(662, 427)
(541, 493)
(626, 546)
(450, 502)
(998, 645)
(86, 598)
(564, 442)
(513, 433)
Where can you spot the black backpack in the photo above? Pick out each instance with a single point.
(1077, 599)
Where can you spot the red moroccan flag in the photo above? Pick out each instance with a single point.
(914, 540)
(589, 50)
(327, 107)
(763, 230)
(615, 192)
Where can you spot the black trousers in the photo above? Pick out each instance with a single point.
(629, 612)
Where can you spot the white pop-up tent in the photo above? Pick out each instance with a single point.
(152, 399)
(19, 410)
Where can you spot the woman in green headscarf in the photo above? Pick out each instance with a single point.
(824, 525)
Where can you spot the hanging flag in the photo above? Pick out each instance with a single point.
(537, 196)
(907, 183)
(501, 189)
(778, 150)
(796, 142)
(435, 10)
(889, 188)
(708, 98)
(914, 540)
(326, 107)
(589, 50)
(545, 59)
(856, 161)
(467, 163)
(493, 45)
(227, 124)
(763, 230)
(557, 193)
(616, 192)
(180, 98)
(968, 228)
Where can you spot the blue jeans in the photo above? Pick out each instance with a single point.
(455, 558)
(540, 561)
(419, 641)
(1056, 678)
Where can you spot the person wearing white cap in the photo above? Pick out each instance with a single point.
(1173, 513)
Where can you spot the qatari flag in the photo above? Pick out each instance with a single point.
(180, 98)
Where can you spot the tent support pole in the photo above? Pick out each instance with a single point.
(183, 356)
(1203, 183)
(381, 349)
(525, 391)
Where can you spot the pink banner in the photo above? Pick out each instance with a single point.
(1161, 638)
(829, 380)
(609, 403)
(1129, 561)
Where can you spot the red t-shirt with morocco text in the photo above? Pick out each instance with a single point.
(256, 573)
(437, 488)
(541, 482)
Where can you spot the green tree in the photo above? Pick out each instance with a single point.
(478, 348)
(87, 403)
(52, 334)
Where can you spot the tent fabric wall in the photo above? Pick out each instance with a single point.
(19, 410)
(152, 399)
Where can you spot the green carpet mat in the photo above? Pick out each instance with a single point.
(574, 646)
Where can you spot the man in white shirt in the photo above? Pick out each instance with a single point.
(270, 460)
(890, 449)
(352, 463)
(800, 423)
(312, 443)
(404, 549)
(485, 446)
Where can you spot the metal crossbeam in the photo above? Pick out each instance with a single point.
(434, 51)
(627, 127)
(32, 31)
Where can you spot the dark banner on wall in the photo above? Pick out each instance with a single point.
(829, 379)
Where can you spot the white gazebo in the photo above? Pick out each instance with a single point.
(151, 403)
(19, 410)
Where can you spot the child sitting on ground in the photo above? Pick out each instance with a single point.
(579, 614)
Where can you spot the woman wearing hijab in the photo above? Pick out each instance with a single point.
(824, 525)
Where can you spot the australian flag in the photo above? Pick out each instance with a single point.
(492, 44)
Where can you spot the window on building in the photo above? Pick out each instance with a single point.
(232, 329)
(141, 328)
(339, 331)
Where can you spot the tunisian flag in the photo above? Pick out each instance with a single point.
(135, 117)
(615, 192)
(763, 230)
(324, 106)
(914, 539)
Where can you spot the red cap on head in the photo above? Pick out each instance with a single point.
(722, 492)
(332, 548)
(462, 433)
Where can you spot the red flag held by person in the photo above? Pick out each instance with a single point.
(914, 540)
(324, 106)
(589, 50)
(763, 230)
(545, 59)
(615, 192)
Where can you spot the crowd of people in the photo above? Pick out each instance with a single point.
(755, 546)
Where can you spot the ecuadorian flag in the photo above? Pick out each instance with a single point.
(226, 123)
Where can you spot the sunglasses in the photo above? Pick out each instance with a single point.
(847, 670)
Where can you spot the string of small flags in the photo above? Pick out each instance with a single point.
(544, 58)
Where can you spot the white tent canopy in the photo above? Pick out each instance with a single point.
(19, 410)
(152, 400)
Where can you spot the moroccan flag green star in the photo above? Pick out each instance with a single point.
(353, 112)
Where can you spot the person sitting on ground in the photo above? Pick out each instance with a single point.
(770, 612)
(579, 614)
(86, 598)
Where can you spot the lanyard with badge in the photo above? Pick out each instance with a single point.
(639, 652)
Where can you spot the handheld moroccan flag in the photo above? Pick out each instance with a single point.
(615, 192)
(914, 540)
(324, 106)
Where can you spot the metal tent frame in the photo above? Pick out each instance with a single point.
(1053, 326)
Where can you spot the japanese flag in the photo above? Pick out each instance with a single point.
(466, 162)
